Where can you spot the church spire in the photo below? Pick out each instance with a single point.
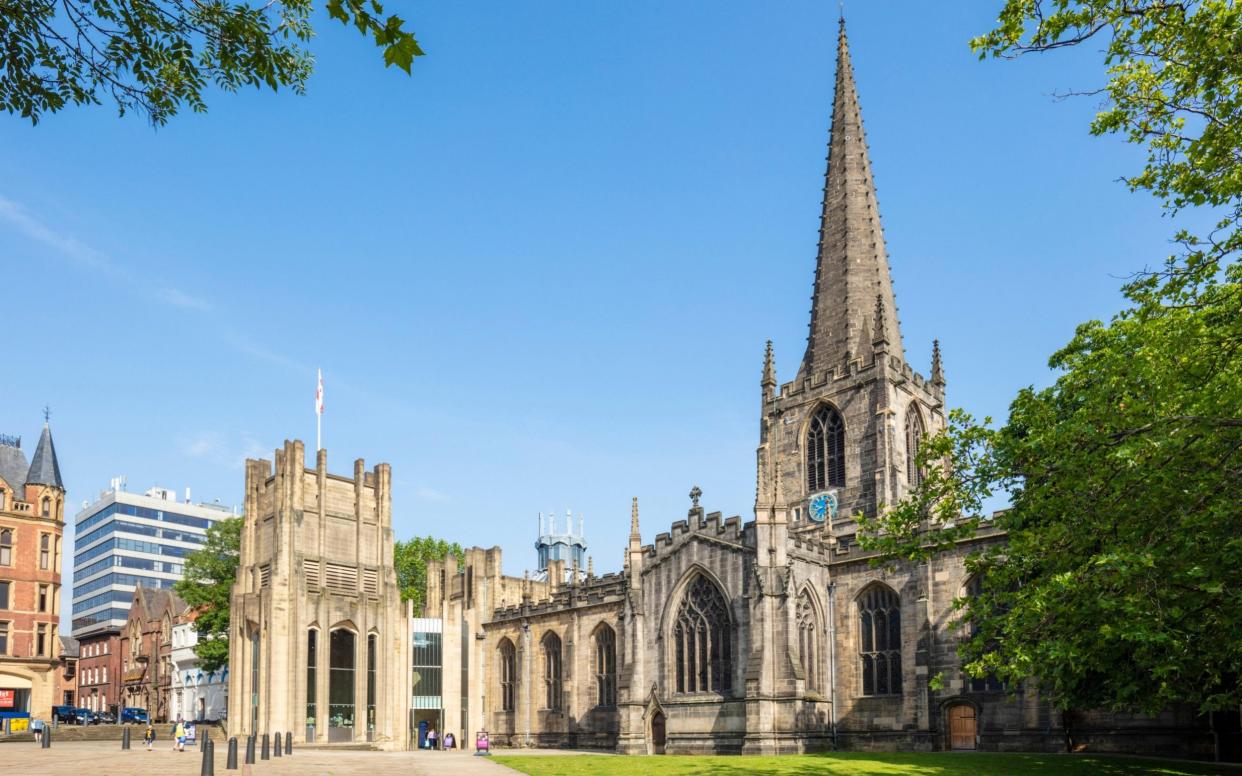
(635, 536)
(768, 383)
(852, 268)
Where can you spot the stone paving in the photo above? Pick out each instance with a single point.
(81, 758)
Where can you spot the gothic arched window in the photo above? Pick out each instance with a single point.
(702, 634)
(552, 671)
(989, 683)
(808, 641)
(508, 672)
(914, 441)
(879, 618)
(605, 666)
(6, 547)
(47, 507)
(825, 450)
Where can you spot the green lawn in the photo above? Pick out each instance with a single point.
(853, 764)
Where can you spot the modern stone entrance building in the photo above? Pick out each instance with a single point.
(320, 642)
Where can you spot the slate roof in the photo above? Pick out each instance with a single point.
(13, 468)
(44, 468)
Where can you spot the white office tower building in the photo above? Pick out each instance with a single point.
(124, 540)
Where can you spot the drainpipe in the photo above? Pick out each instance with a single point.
(832, 659)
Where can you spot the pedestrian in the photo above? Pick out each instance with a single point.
(148, 737)
(37, 726)
(449, 741)
(179, 733)
(431, 738)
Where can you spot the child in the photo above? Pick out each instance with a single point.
(180, 734)
(148, 737)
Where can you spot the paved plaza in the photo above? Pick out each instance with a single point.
(75, 758)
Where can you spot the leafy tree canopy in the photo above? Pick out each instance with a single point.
(410, 558)
(156, 56)
(1174, 85)
(1119, 584)
(206, 586)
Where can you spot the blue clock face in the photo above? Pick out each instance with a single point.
(823, 506)
(819, 507)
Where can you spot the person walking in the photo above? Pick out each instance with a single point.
(179, 733)
(148, 737)
(450, 742)
(431, 739)
(36, 725)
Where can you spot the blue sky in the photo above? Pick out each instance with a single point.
(538, 274)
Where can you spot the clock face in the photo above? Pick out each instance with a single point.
(823, 506)
(819, 507)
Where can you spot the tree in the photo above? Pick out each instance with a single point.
(1119, 584)
(157, 55)
(206, 586)
(410, 559)
(1174, 86)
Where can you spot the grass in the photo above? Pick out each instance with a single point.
(855, 764)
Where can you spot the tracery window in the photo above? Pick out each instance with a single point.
(508, 672)
(809, 641)
(914, 441)
(825, 450)
(702, 635)
(6, 547)
(879, 618)
(989, 683)
(605, 666)
(552, 671)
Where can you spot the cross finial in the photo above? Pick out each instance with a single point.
(47, 414)
(695, 493)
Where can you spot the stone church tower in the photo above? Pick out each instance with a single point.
(848, 425)
(321, 642)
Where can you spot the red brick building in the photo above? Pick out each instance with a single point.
(99, 672)
(146, 651)
(32, 521)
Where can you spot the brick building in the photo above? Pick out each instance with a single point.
(32, 519)
(99, 671)
(776, 634)
(146, 652)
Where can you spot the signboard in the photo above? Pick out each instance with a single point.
(19, 724)
(481, 743)
(6, 698)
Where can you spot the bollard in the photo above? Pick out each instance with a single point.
(45, 740)
(288, 742)
(202, 742)
(278, 747)
(209, 760)
(125, 738)
(231, 763)
(266, 754)
(250, 749)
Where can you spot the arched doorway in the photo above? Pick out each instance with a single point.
(962, 727)
(658, 736)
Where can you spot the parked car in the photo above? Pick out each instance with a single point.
(132, 715)
(86, 716)
(66, 715)
(105, 717)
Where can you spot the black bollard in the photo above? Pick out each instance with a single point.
(202, 742)
(209, 760)
(45, 741)
(277, 753)
(231, 763)
(288, 742)
(266, 754)
(125, 738)
(250, 749)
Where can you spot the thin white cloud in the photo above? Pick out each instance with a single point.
(425, 493)
(178, 298)
(22, 220)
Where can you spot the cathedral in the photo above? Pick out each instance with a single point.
(776, 634)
